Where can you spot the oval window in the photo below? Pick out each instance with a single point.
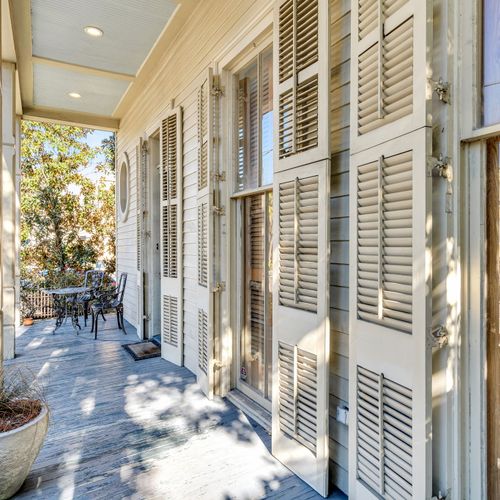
(123, 189)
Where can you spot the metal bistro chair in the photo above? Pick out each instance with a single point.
(110, 299)
(93, 280)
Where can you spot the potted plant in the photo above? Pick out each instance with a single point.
(24, 419)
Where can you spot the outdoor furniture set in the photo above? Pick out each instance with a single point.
(93, 298)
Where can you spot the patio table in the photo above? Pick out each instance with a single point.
(62, 297)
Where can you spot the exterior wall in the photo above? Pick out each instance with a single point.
(175, 82)
(218, 24)
(339, 233)
(126, 234)
(10, 211)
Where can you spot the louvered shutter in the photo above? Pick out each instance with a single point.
(301, 49)
(390, 247)
(206, 148)
(301, 249)
(171, 237)
(140, 169)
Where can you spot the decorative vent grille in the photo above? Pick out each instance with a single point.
(384, 435)
(298, 378)
(385, 258)
(169, 157)
(203, 135)
(385, 69)
(203, 244)
(169, 221)
(298, 243)
(203, 340)
(170, 325)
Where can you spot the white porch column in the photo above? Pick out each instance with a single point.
(10, 210)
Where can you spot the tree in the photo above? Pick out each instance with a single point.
(67, 218)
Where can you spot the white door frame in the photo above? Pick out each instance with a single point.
(152, 306)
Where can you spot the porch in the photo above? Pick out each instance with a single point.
(126, 429)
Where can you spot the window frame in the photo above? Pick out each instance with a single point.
(123, 211)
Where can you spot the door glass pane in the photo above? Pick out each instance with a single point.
(248, 128)
(491, 62)
(257, 329)
(266, 117)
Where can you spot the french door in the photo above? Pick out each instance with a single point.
(255, 338)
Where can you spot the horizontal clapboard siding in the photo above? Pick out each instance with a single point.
(339, 234)
(126, 234)
(177, 76)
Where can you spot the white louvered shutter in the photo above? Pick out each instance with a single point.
(140, 169)
(301, 247)
(390, 245)
(171, 237)
(206, 147)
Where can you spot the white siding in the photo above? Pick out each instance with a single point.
(339, 233)
(218, 23)
(126, 236)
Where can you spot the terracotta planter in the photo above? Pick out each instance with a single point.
(18, 450)
(28, 321)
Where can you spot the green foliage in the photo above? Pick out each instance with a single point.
(67, 219)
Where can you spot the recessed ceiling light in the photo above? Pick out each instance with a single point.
(93, 31)
(74, 95)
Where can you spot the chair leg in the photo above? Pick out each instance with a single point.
(102, 314)
(118, 319)
(96, 322)
(85, 313)
(122, 322)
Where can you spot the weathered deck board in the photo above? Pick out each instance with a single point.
(126, 429)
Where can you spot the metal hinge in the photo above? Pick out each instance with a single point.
(217, 364)
(442, 90)
(440, 167)
(440, 496)
(217, 90)
(220, 176)
(220, 286)
(145, 148)
(440, 336)
(219, 210)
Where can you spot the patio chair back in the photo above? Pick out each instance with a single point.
(120, 290)
(94, 279)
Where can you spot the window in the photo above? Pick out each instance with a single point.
(491, 62)
(255, 123)
(123, 189)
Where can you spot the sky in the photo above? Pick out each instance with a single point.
(94, 139)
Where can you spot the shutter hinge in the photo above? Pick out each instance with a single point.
(440, 336)
(440, 495)
(442, 90)
(145, 148)
(217, 364)
(145, 317)
(219, 211)
(441, 167)
(219, 287)
(220, 176)
(217, 89)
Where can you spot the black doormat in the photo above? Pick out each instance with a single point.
(143, 350)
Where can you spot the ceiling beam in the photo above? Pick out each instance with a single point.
(75, 118)
(21, 26)
(83, 69)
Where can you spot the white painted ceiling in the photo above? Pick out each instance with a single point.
(131, 28)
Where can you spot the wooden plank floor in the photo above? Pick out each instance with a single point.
(126, 429)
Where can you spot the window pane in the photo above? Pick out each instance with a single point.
(248, 128)
(491, 62)
(267, 117)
